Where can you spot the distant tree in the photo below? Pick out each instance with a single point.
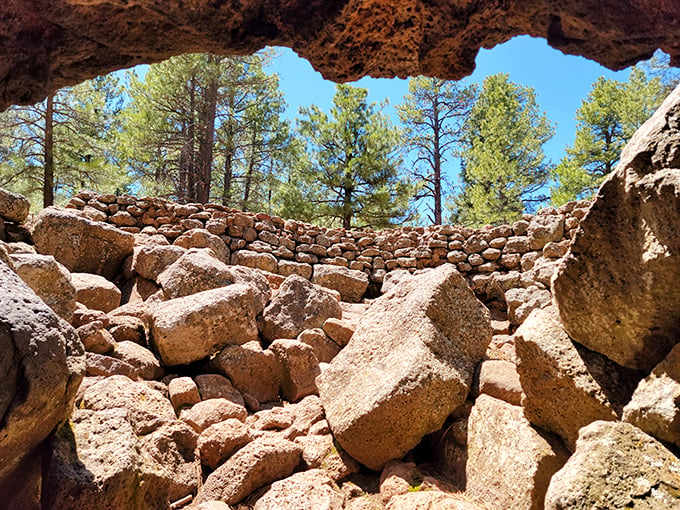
(606, 120)
(354, 162)
(63, 143)
(503, 163)
(433, 113)
(659, 66)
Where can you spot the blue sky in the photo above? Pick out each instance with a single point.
(561, 83)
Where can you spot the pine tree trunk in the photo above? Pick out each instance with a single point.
(190, 144)
(437, 168)
(207, 140)
(249, 174)
(48, 170)
(347, 209)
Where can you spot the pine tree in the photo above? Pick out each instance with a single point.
(203, 126)
(433, 113)
(504, 166)
(64, 143)
(606, 120)
(354, 162)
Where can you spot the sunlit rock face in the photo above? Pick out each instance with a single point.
(49, 44)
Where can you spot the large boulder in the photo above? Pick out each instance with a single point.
(298, 368)
(350, 283)
(96, 292)
(616, 465)
(190, 328)
(509, 463)
(198, 270)
(13, 206)
(146, 409)
(253, 371)
(82, 245)
(49, 279)
(98, 461)
(567, 386)
(41, 367)
(201, 238)
(263, 461)
(256, 260)
(626, 254)
(298, 305)
(655, 405)
(408, 366)
(150, 260)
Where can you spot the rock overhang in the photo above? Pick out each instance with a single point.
(50, 44)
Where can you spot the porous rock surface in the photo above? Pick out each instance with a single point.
(407, 367)
(627, 252)
(566, 386)
(616, 465)
(78, 40)
(190, 328)
(41, 367)
(82, 245)
(495, 430)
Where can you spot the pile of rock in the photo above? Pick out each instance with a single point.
(145, 375)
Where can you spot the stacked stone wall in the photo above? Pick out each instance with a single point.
(474, 251)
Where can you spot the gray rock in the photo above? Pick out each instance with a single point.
(616, 465)
(627, 252)
(41, 367)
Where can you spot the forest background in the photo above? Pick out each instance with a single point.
(208, 128)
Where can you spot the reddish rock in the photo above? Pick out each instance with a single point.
(96, 292)
(208, 412)
(80, 244)
(183, 391)
(253, 371)
(221, 440)
(298, 368)
(263, 461)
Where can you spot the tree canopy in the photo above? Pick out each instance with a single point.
(64, 143)
(606, 120)
(352, 174)
(503, 163)
(433, 113)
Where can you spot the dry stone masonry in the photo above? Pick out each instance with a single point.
(160, 356)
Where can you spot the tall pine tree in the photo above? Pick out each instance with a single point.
(504, 166)
(433, 113)
(606, 120)
(64, 143)
(354, 163)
